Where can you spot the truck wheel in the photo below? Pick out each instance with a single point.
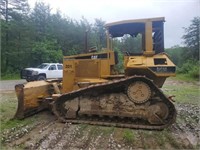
(28, 80)
(41, 77)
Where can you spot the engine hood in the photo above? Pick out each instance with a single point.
(33, 69)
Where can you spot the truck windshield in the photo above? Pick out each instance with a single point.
(43, 66)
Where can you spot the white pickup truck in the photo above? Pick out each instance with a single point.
(43, 72)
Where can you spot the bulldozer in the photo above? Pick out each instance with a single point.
(92, 92)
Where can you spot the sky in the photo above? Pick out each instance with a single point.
(177, 13)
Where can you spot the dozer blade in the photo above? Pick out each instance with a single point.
(31, 98)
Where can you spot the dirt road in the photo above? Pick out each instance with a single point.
(10, 84)
(43, 131)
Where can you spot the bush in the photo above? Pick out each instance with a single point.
(194, 72)
(191, 67)
(120, 66)
(10, 75)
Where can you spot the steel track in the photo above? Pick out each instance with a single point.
(107, 88)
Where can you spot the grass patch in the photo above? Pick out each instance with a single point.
(97, 130)
(8, 108)
(10, 130)
(128, 136)
(166, 137)
(15, 123)
(107, 130)
(185, 77)
(184, 92)
(159, 139)
(172, 141)
(14, 76)
(82, 128)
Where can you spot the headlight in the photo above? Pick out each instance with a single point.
(34, 73)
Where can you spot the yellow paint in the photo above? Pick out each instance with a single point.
(148, 39)
(33, 91)
(68, 75)
(82, 68)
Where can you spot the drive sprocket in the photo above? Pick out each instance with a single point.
(139, 92)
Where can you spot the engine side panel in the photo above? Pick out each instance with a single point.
(156, 68)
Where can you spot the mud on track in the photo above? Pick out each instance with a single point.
(43, 131)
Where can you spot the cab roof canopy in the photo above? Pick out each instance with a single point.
(132, 27)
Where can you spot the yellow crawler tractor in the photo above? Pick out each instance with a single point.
(92, 92)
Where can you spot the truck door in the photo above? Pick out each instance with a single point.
(60, 71)
(52, 72)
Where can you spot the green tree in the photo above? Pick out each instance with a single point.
(132, 44)
(8, 8)
(191, 39)
(176, 53)
(13, 19)
(45, 51)
(99, 34)
(41, 17)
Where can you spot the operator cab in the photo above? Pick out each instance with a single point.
(147, 35)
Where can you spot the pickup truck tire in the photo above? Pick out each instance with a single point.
(41, 77)
(28, 80)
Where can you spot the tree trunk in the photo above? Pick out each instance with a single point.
(6, 43)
